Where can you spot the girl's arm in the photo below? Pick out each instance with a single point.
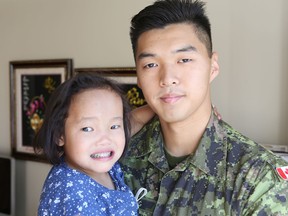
(139, 117)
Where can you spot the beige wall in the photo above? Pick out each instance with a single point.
(250, 37)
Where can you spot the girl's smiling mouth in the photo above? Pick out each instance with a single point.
(101, 155)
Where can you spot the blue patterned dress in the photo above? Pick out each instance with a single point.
(67, 191)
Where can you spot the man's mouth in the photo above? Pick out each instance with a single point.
(101, 155)
(170, 98)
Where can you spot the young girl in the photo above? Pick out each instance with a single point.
(84, 133)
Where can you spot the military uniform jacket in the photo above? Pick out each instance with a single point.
(227, 175)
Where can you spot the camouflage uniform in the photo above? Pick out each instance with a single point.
(228, 175)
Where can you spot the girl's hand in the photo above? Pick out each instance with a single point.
(139, 117)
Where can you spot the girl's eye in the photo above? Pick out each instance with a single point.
(185, 60)
(113, 127)
(87, 129)
(150, 65)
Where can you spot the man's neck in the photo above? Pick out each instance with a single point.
(182, 138)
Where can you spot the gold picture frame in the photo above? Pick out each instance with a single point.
(125, 76)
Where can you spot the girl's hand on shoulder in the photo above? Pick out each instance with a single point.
(139, 117)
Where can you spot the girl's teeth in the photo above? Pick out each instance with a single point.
(101, 155)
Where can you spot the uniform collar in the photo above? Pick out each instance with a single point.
(146, 140)
(209, 157)
(149, 142)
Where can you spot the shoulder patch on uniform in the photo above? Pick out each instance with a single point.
(283, 172)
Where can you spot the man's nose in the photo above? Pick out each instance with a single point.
(168, 76)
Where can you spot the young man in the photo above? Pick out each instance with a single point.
(190, 162)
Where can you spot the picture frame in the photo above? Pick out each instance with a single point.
(126, 76)
(31, 84)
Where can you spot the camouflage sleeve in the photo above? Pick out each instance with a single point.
(270, 195)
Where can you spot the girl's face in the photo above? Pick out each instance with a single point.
(94, 131)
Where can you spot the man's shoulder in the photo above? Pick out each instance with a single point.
(245, 152)
(239, 152)
(146, 136)
(148, 129)
(238, 143)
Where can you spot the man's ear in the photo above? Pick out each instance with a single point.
(61, 141)
(214, 66)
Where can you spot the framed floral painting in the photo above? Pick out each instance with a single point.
(31, 84)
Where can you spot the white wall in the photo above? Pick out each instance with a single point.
(250, 37)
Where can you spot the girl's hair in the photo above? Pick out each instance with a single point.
(166, 12)
(47, 139)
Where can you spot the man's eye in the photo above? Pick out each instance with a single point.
(87, 129)
(150, 65)
(115, 127)
(185, 60)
